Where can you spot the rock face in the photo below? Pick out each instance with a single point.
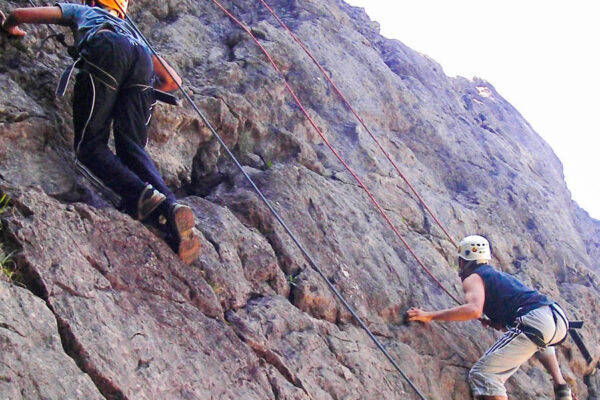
(99, 307)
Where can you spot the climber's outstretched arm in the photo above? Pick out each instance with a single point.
(472, 309)
(33, 15)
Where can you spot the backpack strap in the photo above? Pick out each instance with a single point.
(166, 97)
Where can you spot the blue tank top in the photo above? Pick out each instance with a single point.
(506, 298)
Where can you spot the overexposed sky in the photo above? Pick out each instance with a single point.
(543, 56)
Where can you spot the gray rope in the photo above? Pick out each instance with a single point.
(308, 257)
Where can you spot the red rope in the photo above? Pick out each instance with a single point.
(314, 125)
(358, 117)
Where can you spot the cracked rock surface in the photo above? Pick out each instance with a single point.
(99, 307)
(33, 364)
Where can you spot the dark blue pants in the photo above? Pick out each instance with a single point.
(121, 95)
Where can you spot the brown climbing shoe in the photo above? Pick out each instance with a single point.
(149, 201)
(185, 240)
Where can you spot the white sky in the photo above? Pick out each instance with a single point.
(543, 56)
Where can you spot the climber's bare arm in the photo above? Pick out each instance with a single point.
(472, 309)
(34, 15)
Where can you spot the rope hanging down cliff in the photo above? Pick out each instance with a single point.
(574, 324)
(336, 154)
(308, 257)
(359, 118)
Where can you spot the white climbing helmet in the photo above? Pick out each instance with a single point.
(475, 248)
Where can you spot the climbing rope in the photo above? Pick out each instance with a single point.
(575, 335)
(341, 160)
(359, 118)
(382, 212)
(308, 257)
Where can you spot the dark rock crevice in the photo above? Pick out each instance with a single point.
(10, 328)
(34, 282)
(262, 350)
(77, 352)
(29, 278)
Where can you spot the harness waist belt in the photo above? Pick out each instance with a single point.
(105, 78)
(537, 337)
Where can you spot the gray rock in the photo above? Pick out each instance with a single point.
(251, 319)
(33, 364)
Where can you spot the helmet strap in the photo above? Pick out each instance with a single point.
(466, 268)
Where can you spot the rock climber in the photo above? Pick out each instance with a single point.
(117, 83)
(533, 323)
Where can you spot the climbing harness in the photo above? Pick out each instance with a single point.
(106, 78)
(279, 219)
(537, 336)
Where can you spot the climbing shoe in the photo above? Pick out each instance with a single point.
(148, 201)
(563, 392)
(184, 239)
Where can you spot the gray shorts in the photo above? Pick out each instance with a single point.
(490, 372)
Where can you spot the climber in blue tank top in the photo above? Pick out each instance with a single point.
(532, 322)
(506, 297)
